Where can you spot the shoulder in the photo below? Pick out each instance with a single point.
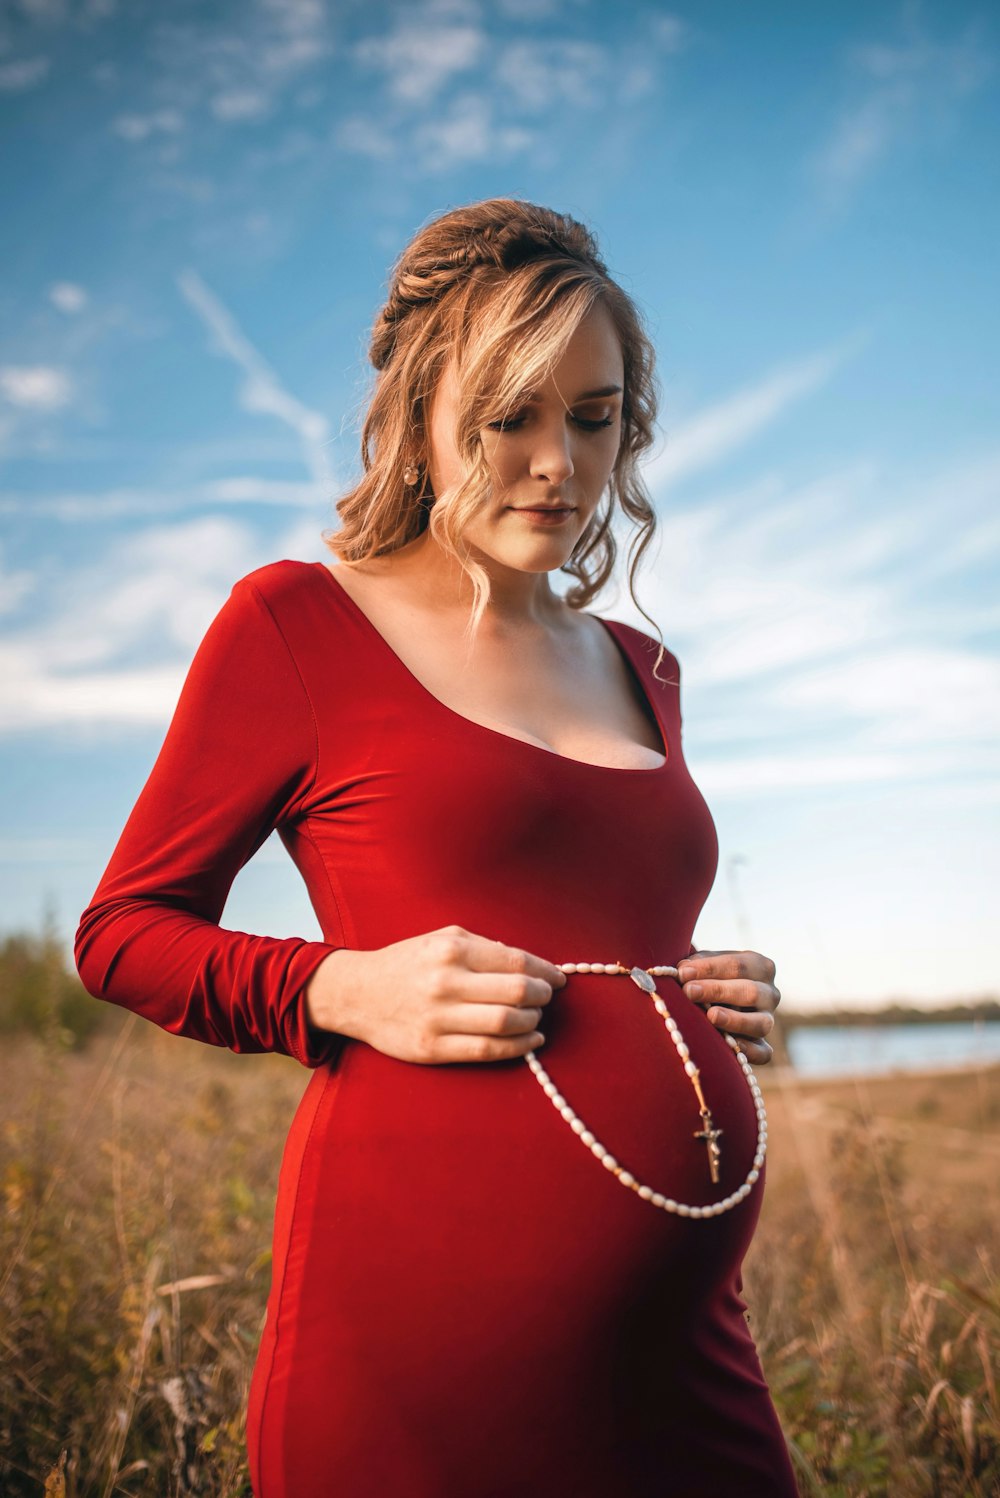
(663, 667)
(277, 584)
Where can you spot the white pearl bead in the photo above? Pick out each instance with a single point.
(608, 1160)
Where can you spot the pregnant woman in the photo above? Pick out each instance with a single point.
(517, 1192)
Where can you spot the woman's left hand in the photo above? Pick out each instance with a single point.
(737, 990)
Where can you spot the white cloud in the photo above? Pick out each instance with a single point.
(261, 391)
(467, 133)
(37, 387)
(703, 440)
(366, 137)
(28, 72)
(132, 502)
(510, 77)
(240, 104)
(419, 56)
(14, 587)
(44, 12)
(151, 595)
(68, 296)
(670, 32)
(138, 127)
(904, 694)
(541, 75)
(817, 615)
(895, 87)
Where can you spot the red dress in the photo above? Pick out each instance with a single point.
(464, 1303)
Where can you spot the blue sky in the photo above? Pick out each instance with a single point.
(201, 204)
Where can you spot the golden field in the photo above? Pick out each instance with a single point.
(138, 1177)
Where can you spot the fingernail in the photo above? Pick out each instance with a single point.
(694, 990)
(685, 971)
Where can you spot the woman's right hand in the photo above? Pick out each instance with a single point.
(446, 995)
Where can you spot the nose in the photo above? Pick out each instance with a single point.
(551, 458)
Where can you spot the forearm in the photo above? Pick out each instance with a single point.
(192, 978)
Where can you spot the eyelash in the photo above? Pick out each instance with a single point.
(581, 421)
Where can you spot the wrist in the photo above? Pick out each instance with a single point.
(330, 994)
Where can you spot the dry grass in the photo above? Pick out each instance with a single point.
(139, 1177)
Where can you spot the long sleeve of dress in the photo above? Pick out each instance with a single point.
(238, 759)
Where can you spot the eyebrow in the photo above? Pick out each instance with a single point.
(588, 395)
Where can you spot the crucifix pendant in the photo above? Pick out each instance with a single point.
(711, 1136)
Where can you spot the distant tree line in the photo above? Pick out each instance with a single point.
(892, 1014)
(41, 994)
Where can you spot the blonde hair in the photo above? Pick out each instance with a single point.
(502, 285)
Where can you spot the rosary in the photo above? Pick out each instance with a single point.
(644, 978)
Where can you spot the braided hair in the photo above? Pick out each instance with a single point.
(499, 287)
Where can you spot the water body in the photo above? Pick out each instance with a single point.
(867, 1050)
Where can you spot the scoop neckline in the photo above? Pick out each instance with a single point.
(497, 733)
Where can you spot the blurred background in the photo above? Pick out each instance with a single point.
(201, 203)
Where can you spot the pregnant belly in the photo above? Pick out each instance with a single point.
(467, 1178)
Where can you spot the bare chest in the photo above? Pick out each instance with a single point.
(573, 693)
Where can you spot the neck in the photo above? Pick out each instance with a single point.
(518, 599)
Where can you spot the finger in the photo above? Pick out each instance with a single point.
(739, 1022)
(517, 990)
(488, 1019)
(737, 993)
(452, 1048)
(486, 955)
(757, 1052)
(750, 965)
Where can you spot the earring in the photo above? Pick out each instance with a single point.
(411, 474)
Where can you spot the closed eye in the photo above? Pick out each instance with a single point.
(512, 423)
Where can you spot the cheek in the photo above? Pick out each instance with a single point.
(505, 458)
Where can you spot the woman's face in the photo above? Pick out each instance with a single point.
(559, 449)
